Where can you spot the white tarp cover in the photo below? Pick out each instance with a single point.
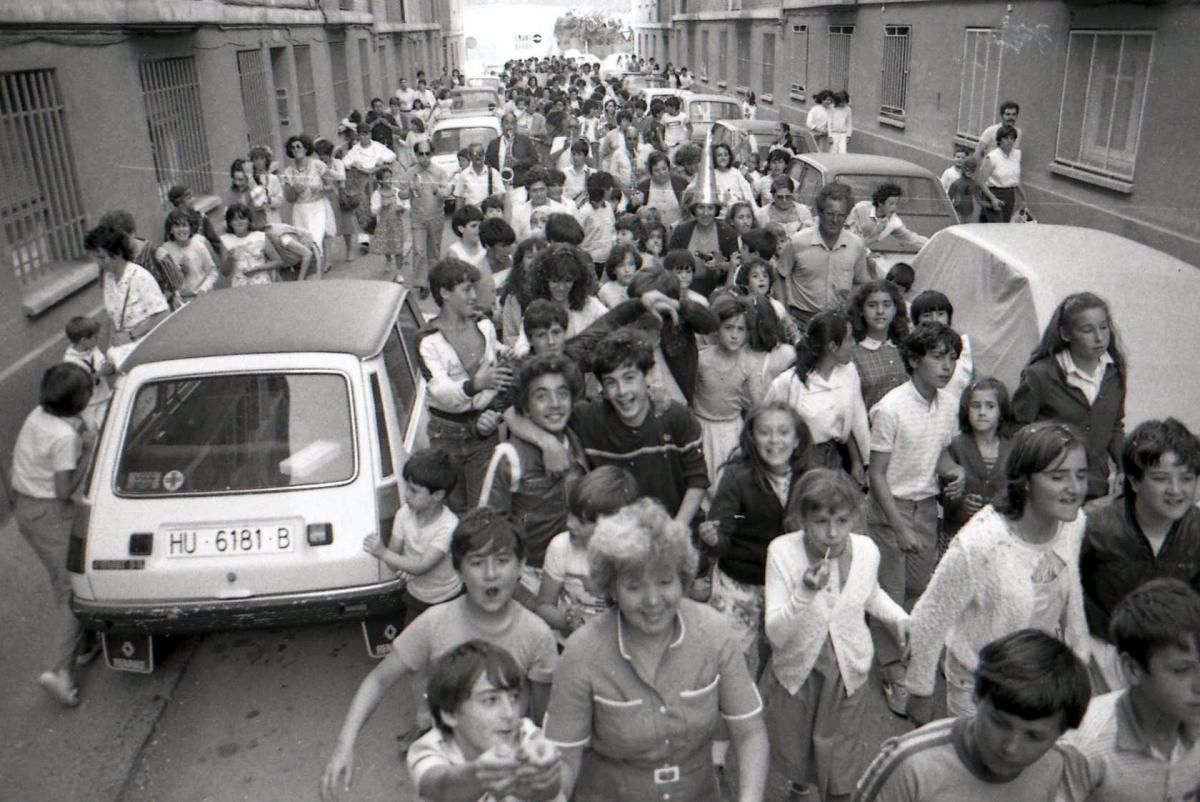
(1005, 280)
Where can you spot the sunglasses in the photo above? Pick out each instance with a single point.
(424, 152)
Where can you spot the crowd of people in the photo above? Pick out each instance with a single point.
(698, 466)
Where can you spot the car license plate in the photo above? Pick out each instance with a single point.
(228, 541)
(129, 652)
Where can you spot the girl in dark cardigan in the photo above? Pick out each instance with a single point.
(1076, 375)
(747, 514)
(985, 424)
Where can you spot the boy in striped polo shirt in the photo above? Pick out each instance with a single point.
(1030, 688)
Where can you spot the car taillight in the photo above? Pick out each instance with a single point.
(320, 534)
(141, 543)
(77, 547)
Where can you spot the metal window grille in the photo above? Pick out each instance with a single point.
(175, 120)
(1103, 100)
(704, 50)
(396, 12)
(340, 79)
(364, 65)
(840, 37)
(983, 52)
(723, 55)
(894, 85)
(768, 63)
(743, 55)
(41, 213)
(797, 87)
(306, 88)
(252, 73)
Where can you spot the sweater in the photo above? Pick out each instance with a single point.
(748, 518)
(982, 590)
(1043, 394)
(799, 619)
(980, 481)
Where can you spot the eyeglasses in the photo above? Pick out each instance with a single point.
(424, 152)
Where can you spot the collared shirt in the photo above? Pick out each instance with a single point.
(1121, 765)
(474, 187)
(629, 721)
(915, 432)
(599, 229)
(423, 181)
(819, 277)
(1081, 380)
(406, 98)
(132, 299)
(832, 408)
(368, 159)
(503, 148)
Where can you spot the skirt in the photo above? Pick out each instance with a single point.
(817, 736)
(742, 605)
(389, 234)
(720, 438)
(310, 216)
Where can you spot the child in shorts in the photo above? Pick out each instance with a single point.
(83, 351)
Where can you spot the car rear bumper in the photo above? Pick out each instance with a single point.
(210, 615)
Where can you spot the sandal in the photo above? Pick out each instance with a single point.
(60, 685)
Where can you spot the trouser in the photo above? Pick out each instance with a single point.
(45, 523)
(902, 576)
(470, 455)
(1007, 196)
(427, 248)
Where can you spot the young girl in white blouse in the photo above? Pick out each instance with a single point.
(821, 582)
(1015, 565)
(824, 389)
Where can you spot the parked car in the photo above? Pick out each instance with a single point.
(924, 205)
(452, 134)
(616, 64)
(253, 440)
(705, 110)
(492, 82)
(755, 136)
(1005, 280)
(474, 99)
(636, 83)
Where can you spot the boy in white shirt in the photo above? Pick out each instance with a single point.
(420, 541)
(83, 351)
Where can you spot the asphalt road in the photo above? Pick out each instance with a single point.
(225, 717)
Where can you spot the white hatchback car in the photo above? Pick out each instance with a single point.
(256, 436)
(452, 134)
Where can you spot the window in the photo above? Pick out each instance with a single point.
(723, 57)
(979, 96)
(238, 432)
(693, 31)
(839, 57)
(798, 86)
(768, 64)
(252, 74)
(745, 50)
(282, 74)
(381, 428)
(364, 65)
(1102, 100)
(41, 214)
(178, 145)
(305, 87)
(341, 80)
(894, 88)
(704, 54)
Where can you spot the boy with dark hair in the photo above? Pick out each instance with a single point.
(932, 306)
(1143, 742)
(482, 747)
(911, 430)
(487, 554)
(1151, 529)
(902, 275)
(563, 228)
(564, 600)
(419, 544)
(598, 219)
(545, 326)
(82, 332)
(497, 238)
(517, 480)
(1029, 688)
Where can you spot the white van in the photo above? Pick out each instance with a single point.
(255, 438)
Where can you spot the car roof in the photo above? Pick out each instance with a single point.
(751, 126)
(712, 98)
(338, 316)
(838, 163)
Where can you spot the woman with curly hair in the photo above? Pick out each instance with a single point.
(564, 274)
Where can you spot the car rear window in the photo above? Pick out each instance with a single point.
(452, 140)
(237, 432)
(920, 195)
(714, 110)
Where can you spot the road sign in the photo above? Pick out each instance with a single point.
(537, 38)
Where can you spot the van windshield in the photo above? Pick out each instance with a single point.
(237, 432)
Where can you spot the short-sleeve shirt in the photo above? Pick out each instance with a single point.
(1121, 765)
(46, 445)
(133, 299)
(436, 748)
(568, 564)
(915, 432)
(820, 278)
(441, 582)
(631, 724)
(936, 764)
(444, 626)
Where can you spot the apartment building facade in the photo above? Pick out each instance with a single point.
(106, 104)
(1103, 89)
